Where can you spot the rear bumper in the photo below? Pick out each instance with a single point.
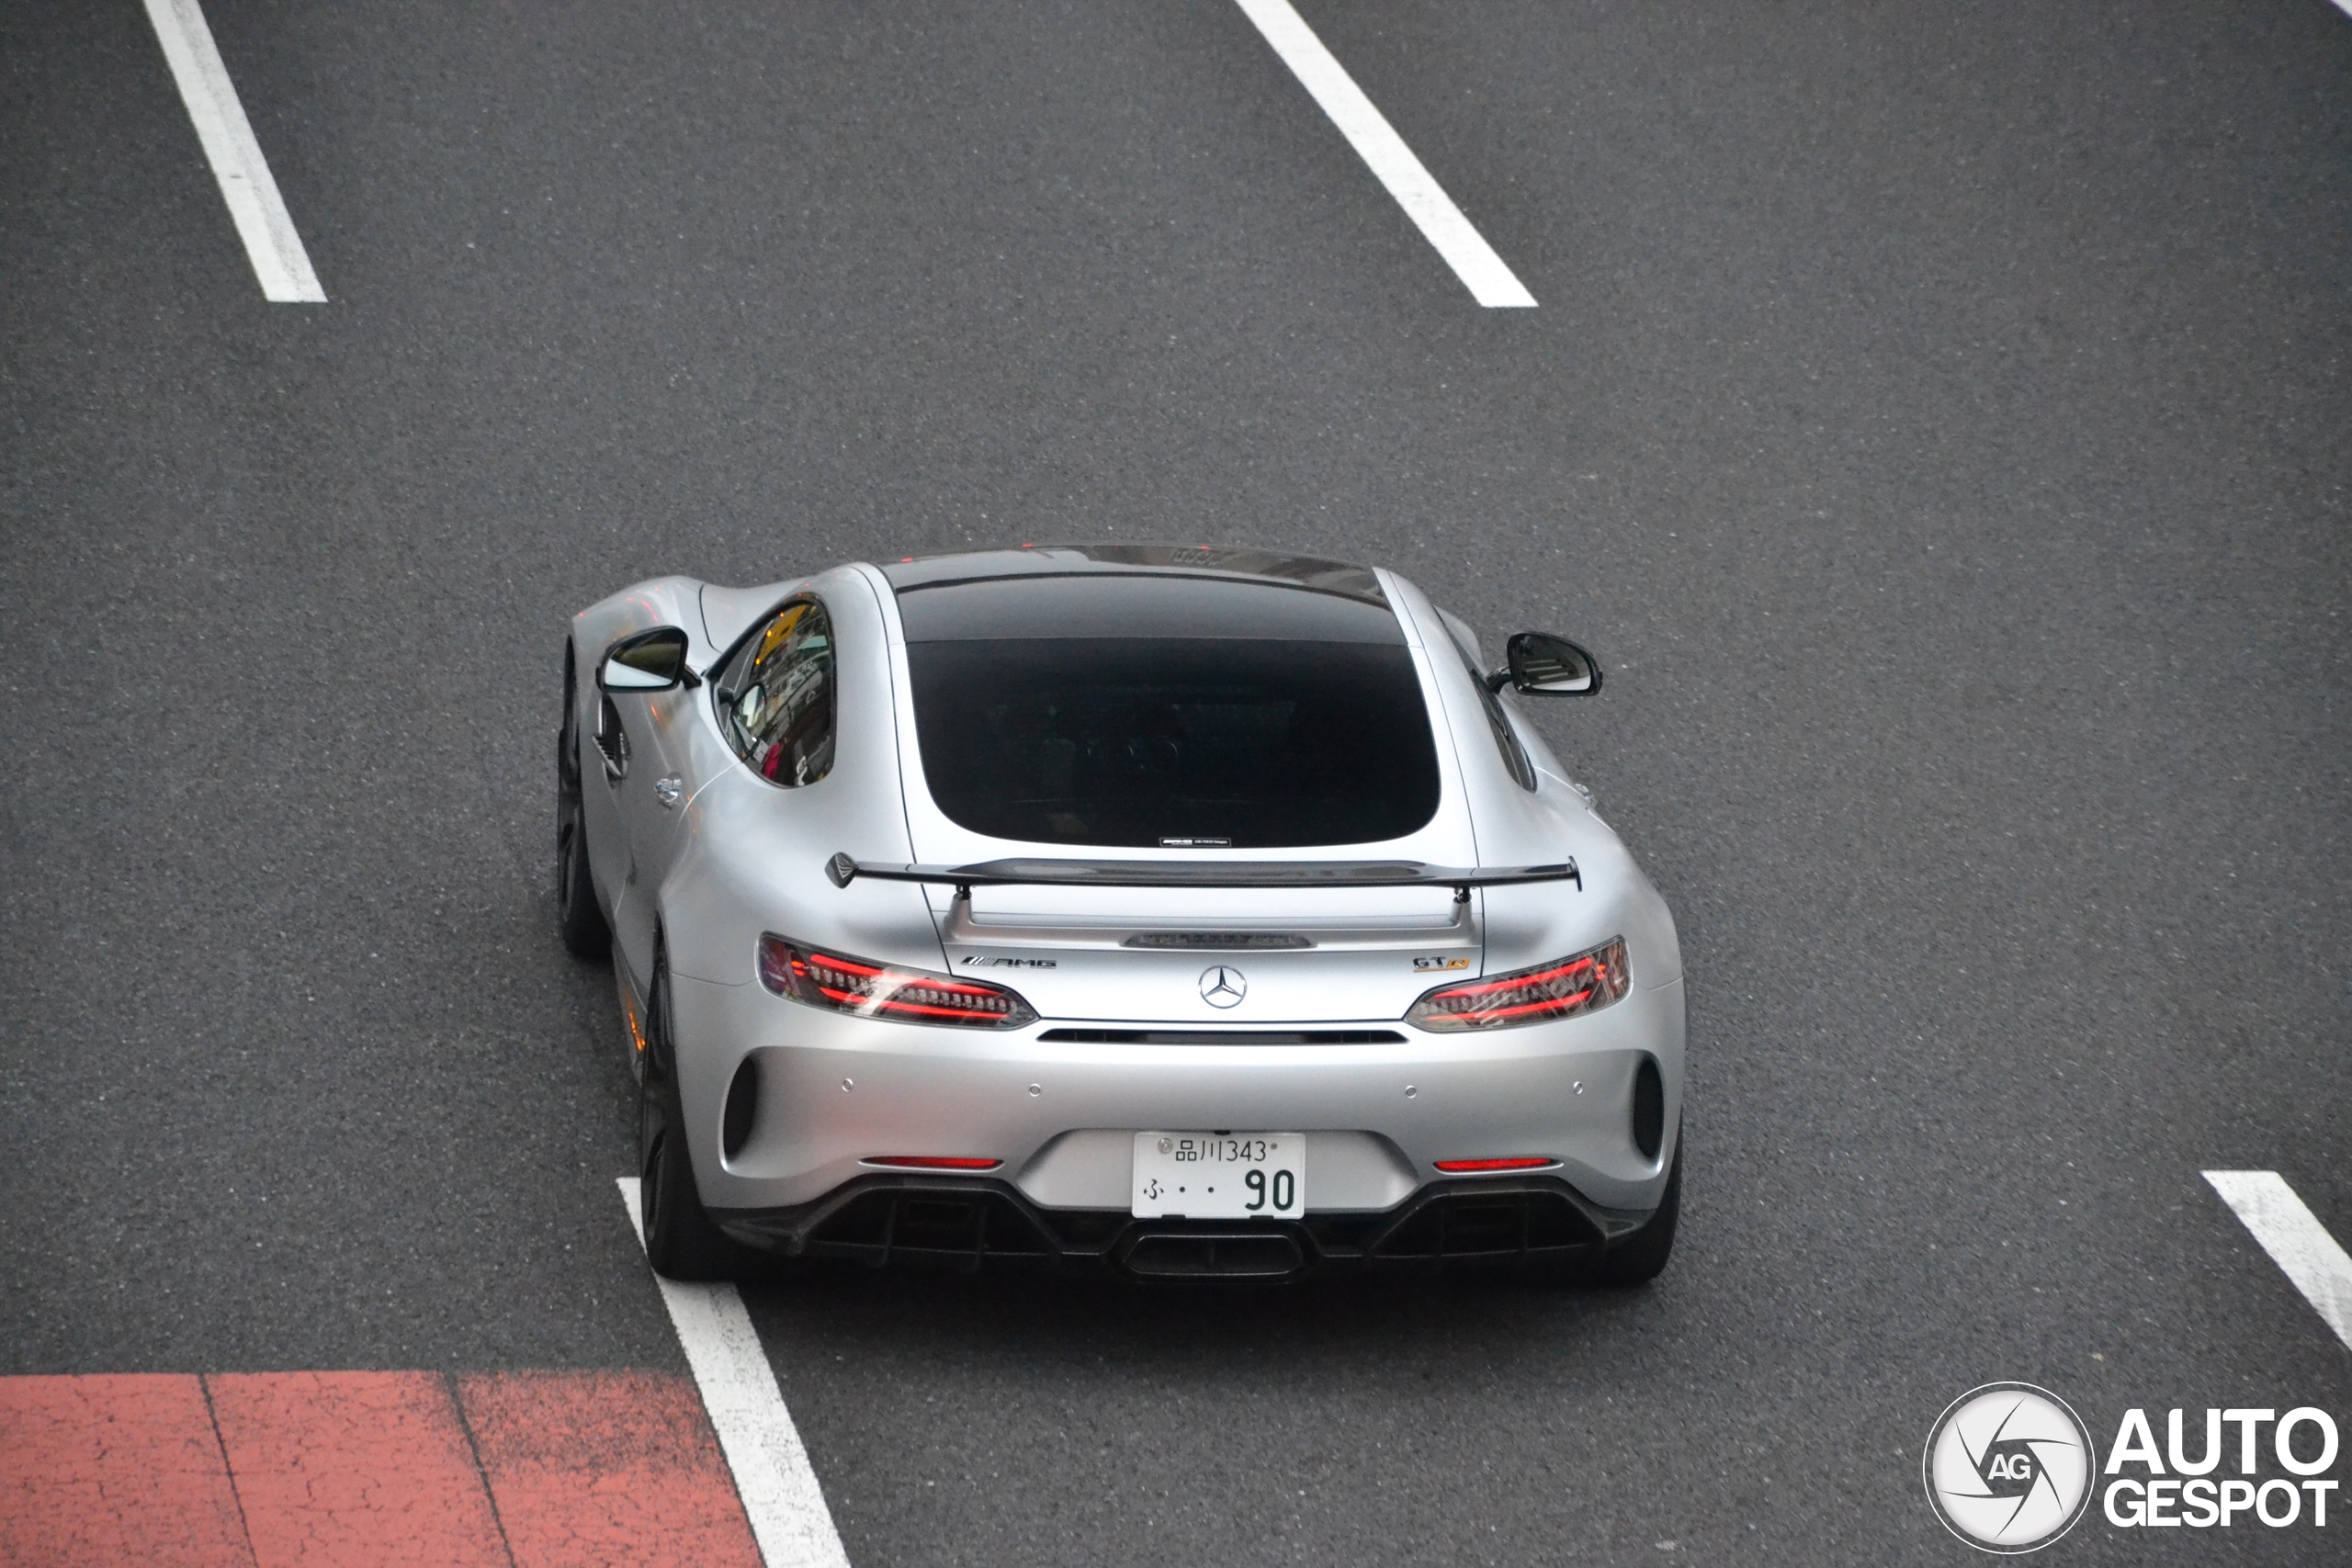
(1536, 1223)
(1058, 1103)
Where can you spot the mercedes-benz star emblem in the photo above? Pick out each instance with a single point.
(1223, 987)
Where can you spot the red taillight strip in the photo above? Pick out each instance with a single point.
(846, 965)
(1576, 1001)
(891, 1004)
(898, 977)
(930, 1162)
(1516, 1162)
(1513, 982)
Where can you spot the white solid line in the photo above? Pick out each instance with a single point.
(263, 222)
(780, 1495)
(2295, 1239)
(1465, 250)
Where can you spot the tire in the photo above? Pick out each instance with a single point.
(578, 918)
(1641, 1258)
(680, 1240)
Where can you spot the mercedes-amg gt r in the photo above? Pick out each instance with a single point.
(1183, 912)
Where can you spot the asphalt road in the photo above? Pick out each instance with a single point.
(1935, 413)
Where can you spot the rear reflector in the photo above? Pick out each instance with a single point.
(1475, 1166)
(930, 1162)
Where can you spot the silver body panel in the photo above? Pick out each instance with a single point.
(705, 864)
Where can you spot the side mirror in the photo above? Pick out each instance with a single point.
(1550, 665)
(649, 662)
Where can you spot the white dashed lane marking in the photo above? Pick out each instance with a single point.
(263, 222)
(1369, 132)
(779, 1489)
(2295, 1239)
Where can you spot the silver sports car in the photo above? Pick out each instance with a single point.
(1181, 912)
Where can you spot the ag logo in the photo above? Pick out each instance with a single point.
(2008, 1467)
(1222, 985)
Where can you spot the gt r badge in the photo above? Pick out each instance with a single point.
(1222, 985)
(1427, 963)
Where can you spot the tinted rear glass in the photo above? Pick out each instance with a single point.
(1134, 742)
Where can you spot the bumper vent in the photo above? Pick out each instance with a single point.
(1650, 1109)
(741, 1110)
(1223, 1036)
(1497, 1227)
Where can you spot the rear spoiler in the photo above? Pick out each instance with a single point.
(843, 871)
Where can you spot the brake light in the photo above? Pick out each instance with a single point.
(930, 1162)
(1479, 1166)
(1564, 988)
(884, 990)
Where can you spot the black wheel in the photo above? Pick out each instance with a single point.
(679, 1238)
(577, 916)
(1640, 1256)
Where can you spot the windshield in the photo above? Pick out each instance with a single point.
(1186, 742)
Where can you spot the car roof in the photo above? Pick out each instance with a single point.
(1139, 591)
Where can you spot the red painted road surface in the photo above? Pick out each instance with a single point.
(341, 1470)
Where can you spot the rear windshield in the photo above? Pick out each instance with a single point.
(1204, 743)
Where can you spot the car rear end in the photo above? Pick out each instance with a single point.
(1346, 1062)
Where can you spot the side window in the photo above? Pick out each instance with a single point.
(1515, 760)
(776, 701)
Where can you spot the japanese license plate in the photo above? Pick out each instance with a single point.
(1220, 1176)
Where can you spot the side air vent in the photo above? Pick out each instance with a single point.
(1650, 1109)
(612, 739)
(742, 1107)
(1223, 1036)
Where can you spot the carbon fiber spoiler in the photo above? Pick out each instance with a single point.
(843, 871)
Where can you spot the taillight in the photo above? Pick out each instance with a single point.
(1563, 989)
(883, 991)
